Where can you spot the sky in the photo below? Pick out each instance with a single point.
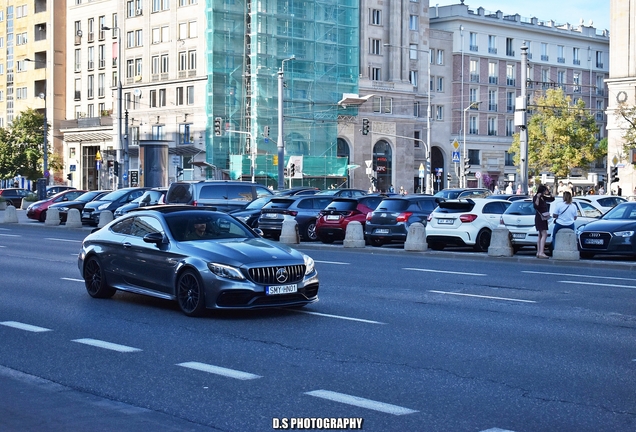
(566, 11)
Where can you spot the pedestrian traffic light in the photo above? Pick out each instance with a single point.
(116, 168)
(69, 176)
(217, 126)
(365, 126)
(266, 131)
(292, 170)
(179, 171)
(614, 175)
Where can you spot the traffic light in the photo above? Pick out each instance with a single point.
(217, 126)
(365, 126)
(292, 170)
(466, 167)
(449, 177)
(266, 131)
(614, 175)
(116, 168)
(69, 176)
(179, 171)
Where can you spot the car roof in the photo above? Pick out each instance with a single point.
(172, 208)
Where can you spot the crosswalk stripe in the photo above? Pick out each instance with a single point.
(361, 402)
(217, 370)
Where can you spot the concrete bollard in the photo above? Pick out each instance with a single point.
(289, 232)
(73, 218)
(500, 244)
(566, 247)
(105, 218)
(416, 238)
(10, 215)
(52, 217)
(354, 237)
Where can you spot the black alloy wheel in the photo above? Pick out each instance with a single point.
(95, 281)
(483, 240)
(190, 294)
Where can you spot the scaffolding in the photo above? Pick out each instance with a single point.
(246, 45)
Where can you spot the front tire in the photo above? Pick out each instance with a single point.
(586, 255)
(95, 280)
(483, 241)
(190, 294)
(42, 217)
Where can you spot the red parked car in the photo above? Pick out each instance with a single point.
(38, 209)
(332, 222)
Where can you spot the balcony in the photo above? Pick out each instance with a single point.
(492, 50)
(102, 63)
(474, 48)
(474, 77)
(600, 92)
(492, 107)
(91, 65)
(511, 82)
(510, 108)
(492, 132)
(493, 80)
(473, 131)
(561, 60)
(599, 65)
(599, 116)
(510, 53)
(545, 57)
(576, 62)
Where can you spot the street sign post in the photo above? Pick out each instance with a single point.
(456, 156)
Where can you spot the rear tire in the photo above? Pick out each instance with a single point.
(95, 280)
(483, 240)
(310, 231)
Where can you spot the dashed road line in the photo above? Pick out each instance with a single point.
(337, 317)
(23, 326)
(496, 430)
(598, 284)
(9, 235)
(332, 262)
(579, 275)
(218, 370)
(482, 296)
(445, 271)
(361, 402)
(63, 240)
(106, 345)
(73, 279)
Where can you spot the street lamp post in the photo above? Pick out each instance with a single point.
(280, 143)
(427, 175)
(123, 144)
(465, 159)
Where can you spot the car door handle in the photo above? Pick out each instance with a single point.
(127, 244)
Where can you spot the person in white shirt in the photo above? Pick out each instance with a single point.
(509, 188)
(564, 215)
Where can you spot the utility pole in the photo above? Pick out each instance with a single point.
(521, 120)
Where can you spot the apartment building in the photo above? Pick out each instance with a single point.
(622, 89)
(32, 67)
(486, 80)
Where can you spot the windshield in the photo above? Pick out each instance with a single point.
(394, 205)
(521, 208)
(258, 203)
(448, 194)
(114, 195)
(198, 225)
(621, 211)
(88, 196)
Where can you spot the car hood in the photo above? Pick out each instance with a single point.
(95, 204)
(242, 251)
(610, 225)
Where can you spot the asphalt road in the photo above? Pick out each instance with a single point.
(433, 341)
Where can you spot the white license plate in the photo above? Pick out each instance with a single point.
(270, 215)
(593, 241)
(381, 231)
(281, 289)
(518, 235)
(445, 221)
(333, 217)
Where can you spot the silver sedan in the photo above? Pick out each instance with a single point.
(203, 259)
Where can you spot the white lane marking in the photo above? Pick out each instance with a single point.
(496, 430)
(73, 279)
(598, 284)
(361, 402)
(217, 370)
(22, 326)
(106, 345)
(337, 316)
(331, 262)
(2, 246)
(445, 271)
(482, 296)
(63, 240)
(580, 276)
(9, 235)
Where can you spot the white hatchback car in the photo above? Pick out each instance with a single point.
(519, 219)
(465, 222)
(603, 202)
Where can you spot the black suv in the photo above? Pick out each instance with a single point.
(224, 195)
(391, 219)
(111, 201)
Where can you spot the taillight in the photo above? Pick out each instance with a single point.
(430, 217)
(403, 217)
(468, 217)
(290, 212)
(369, 216)
(194, 203)
(501, 221)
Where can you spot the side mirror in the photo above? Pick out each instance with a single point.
(155, 237)
(258, 231)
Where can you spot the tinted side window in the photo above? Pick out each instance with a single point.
(427, 205)
(179, 194)
(321, 203)
(145, 225)
(393, 205)
(217, 191)
(262, 191)
(134, 194)
(494, 208)
(122, 227)
(239, 192)
(305, 204)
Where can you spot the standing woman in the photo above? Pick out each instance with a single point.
(541, 217)
(564, 215)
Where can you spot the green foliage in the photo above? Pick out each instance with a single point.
(561, 136)
(626, 114)
(21, 146)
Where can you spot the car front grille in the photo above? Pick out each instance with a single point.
(592, 240)
(267, 275)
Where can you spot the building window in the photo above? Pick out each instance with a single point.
(154, 65)
(162, 97)
(473, 157)
(492, 44)
(560, 54)
(577, 82)
(492, 73)
(158, 132)
(510, 102)
(190, 95)
(416, 139)
(545, 78)
(130, 39)
(376, 74)
(510, 51)
(101, 83)
(413, 78)
(474, 71)
(78, 60)
(510, 127)
(153, 98)
(179, 96)
(90, 112)
(374, 46)
(599, 59)
(492, 100)
(544, 52)
(413, 22)
(91, 58)
(376, 17)
(413, 52)
(416, 109)
(139, 38)
(575, 56)
(184, 133)
(599, 85)
(165, 64)
(473, 42)
(561, 78)
(91, 29)
(21, 93)
(509, 159)
(90, 88)
(472, 125)
(440, 84)
(156, 35)
(382, 105)
(472, 95)
(439, 112)
(440, 57)
(159, 5)
(510, 75)
(492, 126)
(78, 89)
(183, 61)
(101, 55)
(102, 22)
(192, 59)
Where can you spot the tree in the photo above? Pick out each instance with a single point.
(21, 147)
(628, 114)
(561, 136)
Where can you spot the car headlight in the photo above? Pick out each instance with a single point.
(103, 206)
(309, 264)
(624, 233)
(225, 271)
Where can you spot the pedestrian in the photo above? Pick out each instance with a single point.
(601, 190)
(509, 188)
(391, 189)
(562, 188)
(496, 191)
(402, 191)
(541, 217)
(519, 190)
(564, 215)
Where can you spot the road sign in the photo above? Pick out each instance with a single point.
(421, 173)
(478, 175)
(368, 162)
(456, 156)
(455, 145)
(614, 160)
(72, 168)
(98, 156)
